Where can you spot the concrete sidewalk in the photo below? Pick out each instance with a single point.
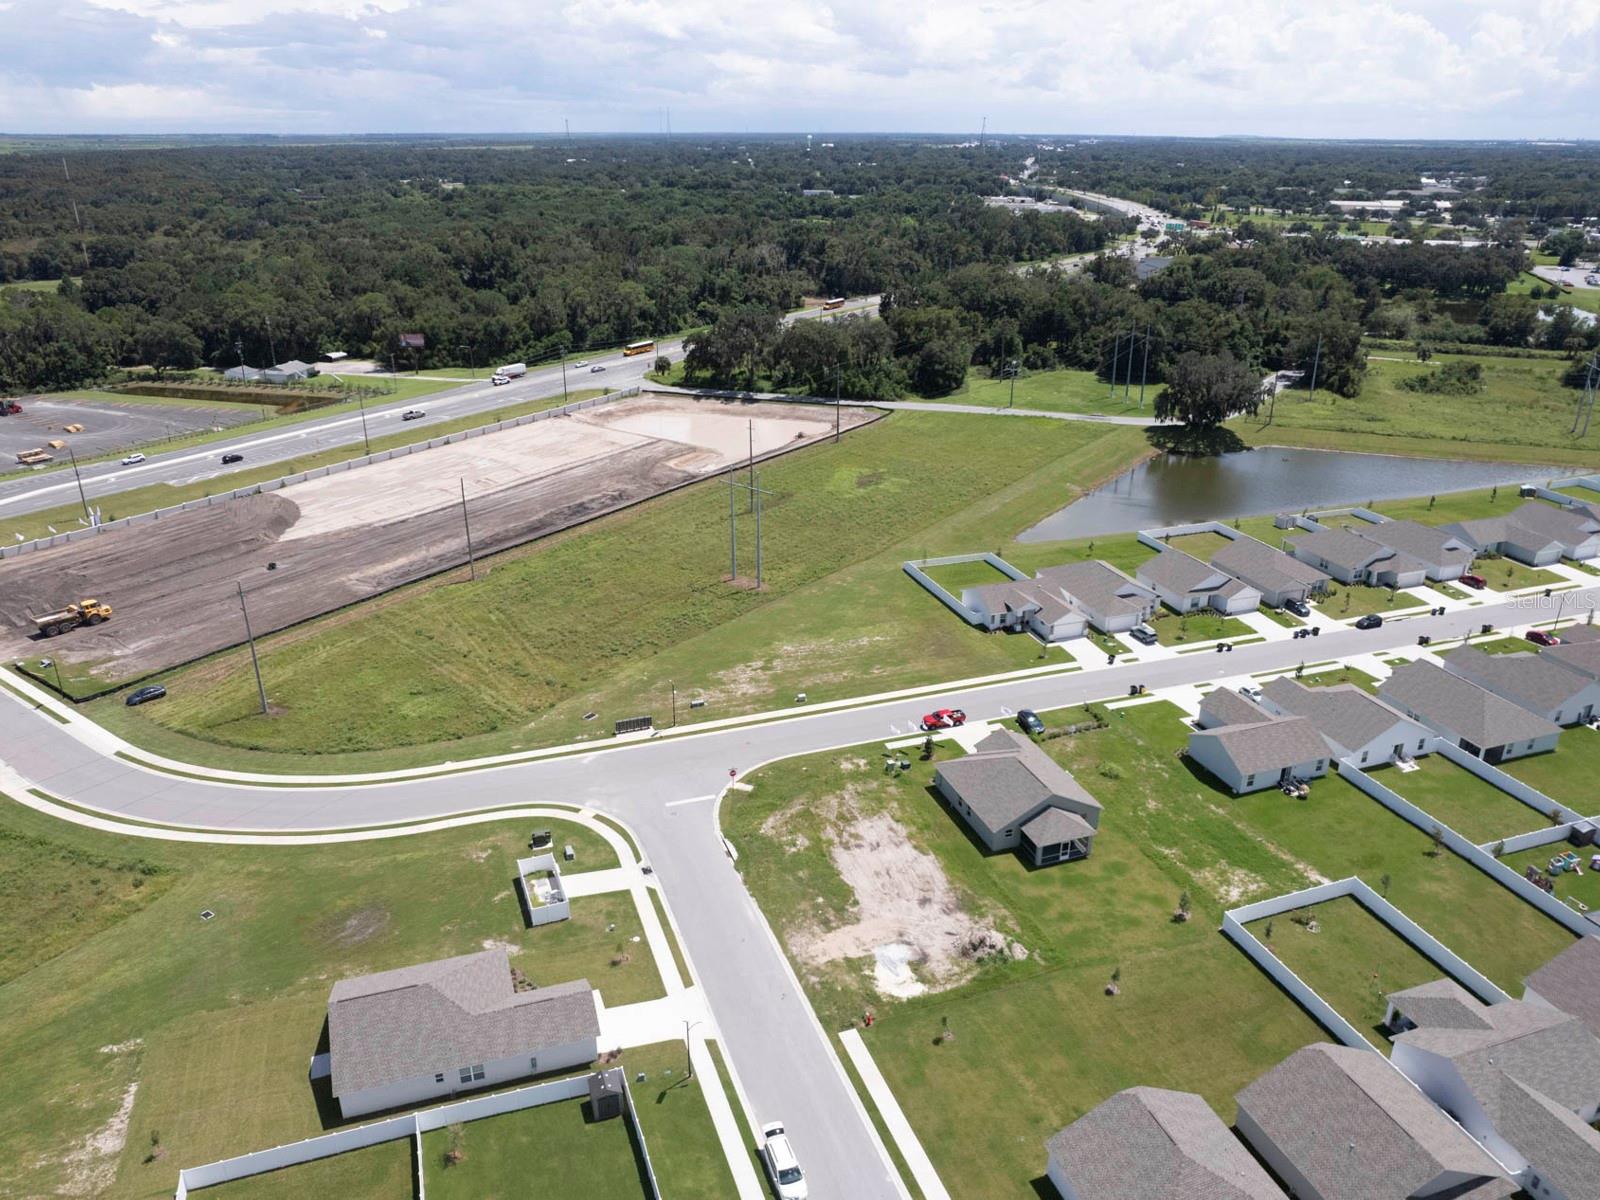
(900, 1131)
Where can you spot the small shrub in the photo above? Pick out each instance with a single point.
(1110, 770)
(457, 1153)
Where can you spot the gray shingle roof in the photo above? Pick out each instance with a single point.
(1269, 745)
(1099, 587)
(1446, 701)
(1225, 706)
(1571, 981)
(1357, 1129)
(1055, 825)
(1569, 526)
(1536, 683)
(1578, 651)
(1424, 543)
(1270, 570)
(1007, 777)
(1441, 1002)
(1180, 572)
(1532, 1071)
(1154, 1144)
(1344, 714)
(1017, 596)
(440, 1016)
(1341, 547)
(1493, 531)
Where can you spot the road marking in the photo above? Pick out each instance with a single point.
(690, 800)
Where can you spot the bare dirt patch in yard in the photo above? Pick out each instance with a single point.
(91, 1165)
(353, 928)
(904, 901)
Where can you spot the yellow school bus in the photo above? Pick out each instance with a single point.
(633, 348)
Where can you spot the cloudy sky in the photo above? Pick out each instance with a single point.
(1314, 68)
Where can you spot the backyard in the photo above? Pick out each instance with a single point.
(1475, 809)
(175, 1040)
(1566, 775)
(603, 942)
(381, 1172)
(555, 1150)
(1351, 959)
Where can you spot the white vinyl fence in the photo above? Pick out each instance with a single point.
(273, 485)
(941, 594)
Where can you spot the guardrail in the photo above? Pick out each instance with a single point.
(273, 485)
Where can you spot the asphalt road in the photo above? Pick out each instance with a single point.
(27, 493)
(664, 789)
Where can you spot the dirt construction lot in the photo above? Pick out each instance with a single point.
(316, 546)
(108, 425)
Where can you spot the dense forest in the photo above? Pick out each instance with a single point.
(205, 255)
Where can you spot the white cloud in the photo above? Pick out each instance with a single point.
(1442, 68)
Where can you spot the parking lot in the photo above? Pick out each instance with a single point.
(110, 424)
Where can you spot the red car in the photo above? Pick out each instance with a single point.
(1475, 581)
(1540, 638)
(944, 718)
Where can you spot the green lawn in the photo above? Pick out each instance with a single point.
(1505, 645)
(381, 1172)
(956, 576)
(683, 1143)
(1460, 800)
(1451, 590)
(1522, 415)
(1332, 676)
(1344, 601)
(1173, 629)
(1352, 961)
(554, 1149)
(1199, 545)
(838, 616)
(596, 943)
(1566, 774)
(1281, 616)
(160, 495)
(206, 1027)
(1505, 575)
(1587, 299)
(1107, 643)
(1057, 391)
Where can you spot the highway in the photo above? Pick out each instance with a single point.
(665, 788)
(27, 493)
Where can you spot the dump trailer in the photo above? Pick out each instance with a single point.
(10, 408)
(84, 612)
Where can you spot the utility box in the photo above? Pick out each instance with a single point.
(606, 1098)
(632, 725)
(568, 853)
(540, 840)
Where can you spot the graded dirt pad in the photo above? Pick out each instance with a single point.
(317, 546)
(108, 425)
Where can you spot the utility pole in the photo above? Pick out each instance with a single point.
(1144, 370)
(756, 499)
(1116, 350)
(563, 379)
(1127, 373)
(674, 688)
(87, 515)
(365, 441)
(272, 346)
(733, 532)
(1316, 362)
(250, 637)
(472, 565)
(837, 389)
(756, 492)
(752, 507)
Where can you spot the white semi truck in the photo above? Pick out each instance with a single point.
(509, 372)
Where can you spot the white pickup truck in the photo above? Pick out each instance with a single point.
(509, 372)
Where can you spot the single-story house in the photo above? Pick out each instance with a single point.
(1477, 720)
(1354, 558)
(1026, 604)
(1354, 723)
(1529, 679)
(1225, 706)
(1185, 585)
(1279, 577)
(1570, 982)
(1153, 1144)
(1536, 533)
(243, 374)
(1521, 1077)
(292, 371)
(1263, 754)
(1111, 601)
(417, 1033)
(1014, 796)
(1445, 555)
(1579, 651)
(1337, 1123)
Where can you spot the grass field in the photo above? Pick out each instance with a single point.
(381, 1172)
(1343, 601)
(159, 495)
(554, 1149)
(1173, 629)
(838, 616)
(603, 942)
(200, 1031)
(1459, 799)
(1522, 415)
(1566, 774)
(1057, 391)
(1353, 960)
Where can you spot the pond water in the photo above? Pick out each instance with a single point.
(1174, 488)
